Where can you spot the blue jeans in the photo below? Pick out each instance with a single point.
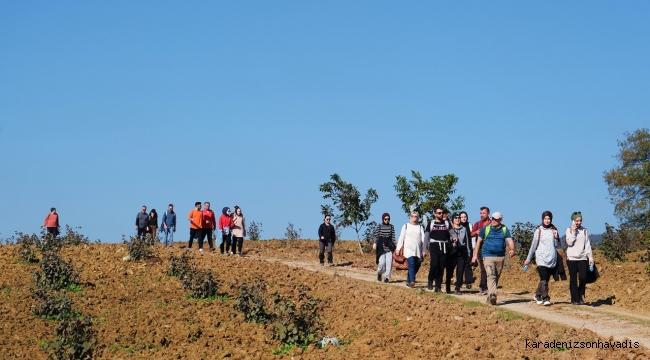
(169, 234)
(414, 266)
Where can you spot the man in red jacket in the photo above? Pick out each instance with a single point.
(51, 223)
(208, 227)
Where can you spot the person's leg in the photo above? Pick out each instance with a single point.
(468, 276)
(240, 244)
(321, 252)
(165, 236)
(583, 268)
(499, 262)
(389, 265)
(201, 236)
(483, 287)
(442, 261)
(542, 289)
(490, 269)
(433, 265)
(460, 270)
(208, 235)
(410, 278)
(330, 260)
(223, 243)
(171, 236)
(573, 280)
(381, 266)
(192, 235)
(227, 238)
(450, 264)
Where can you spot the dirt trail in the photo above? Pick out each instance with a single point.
(603, 319)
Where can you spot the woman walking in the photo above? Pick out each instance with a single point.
(326, 238)
(238, 230)
(469, 275)
(411, 239)
(579, 257)
(225, 226)
(461, 253)
(153, 225)
(545, 240)
(384, 245)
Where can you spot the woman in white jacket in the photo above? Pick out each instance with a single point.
(411, 239)
(579, 257)
(545, 240)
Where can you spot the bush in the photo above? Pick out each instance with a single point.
(73, 237)
(200, 283)
(138, 249)
(368, 236)
(48, 303)
(291, 233)
(27, 247)
(255, 231)
(522, 235)
(252, 303)
(298, 324)
(76, 339)
(619, 242)
(57, 273)
(179, 266)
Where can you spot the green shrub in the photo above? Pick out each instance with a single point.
(138, 249)
(75, 339)
(49, 303)
(297, 323)
(252, 303)
(180, 265)
(57, 273)
(522, 235)
(200, 283)
(255, 231)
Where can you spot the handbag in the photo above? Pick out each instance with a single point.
(399, 261)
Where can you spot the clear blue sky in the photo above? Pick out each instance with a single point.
(106, 106)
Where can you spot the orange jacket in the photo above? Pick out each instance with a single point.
(196, 219)
(52, 220)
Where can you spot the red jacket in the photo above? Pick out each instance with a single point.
(52, 220)
(209, 221)
(225, 221)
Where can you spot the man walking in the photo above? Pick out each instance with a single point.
(196, 222)
(495, 235)
(168, 225)
(208, 225)
(438, 237)
(142, 223)
(51, 223)
(485, 220)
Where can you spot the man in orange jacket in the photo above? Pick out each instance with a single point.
(196, 222)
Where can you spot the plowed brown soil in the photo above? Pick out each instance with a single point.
(142, 313)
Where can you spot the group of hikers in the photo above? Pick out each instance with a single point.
(203, 225)
(454, 245)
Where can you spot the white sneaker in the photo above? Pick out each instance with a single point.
(201, 250)
(537, 300)
(547, 303)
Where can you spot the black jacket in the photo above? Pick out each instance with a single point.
(327, 232)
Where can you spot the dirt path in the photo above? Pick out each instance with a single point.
(603, 320)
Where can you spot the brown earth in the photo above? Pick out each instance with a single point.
(140, 312)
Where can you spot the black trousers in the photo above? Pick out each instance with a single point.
(204, 233)
(142, 233)
(456, 261)
(226, 243)
(468, 277)
(437, 263)
(195, 234)
(237, 243)
(54, 231)
(577, 271)
(321, 252)
(544, 276)
(483, 283)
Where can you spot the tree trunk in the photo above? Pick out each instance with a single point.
(356, 229)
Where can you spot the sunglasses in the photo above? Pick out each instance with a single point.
(327, 219)
(439, 213)
(386, 219)
(414, 216)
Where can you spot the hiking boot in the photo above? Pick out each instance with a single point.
(386, 280)
(412, 284)
(429, 287)
(239, 254)
(547, 302)
(322, 264)
(437, 290)
(492, 299)
(457, 292)
(538, 300)
(448, 289)
(483, 291)
(468, 286)
(378, 277)
(200, 250)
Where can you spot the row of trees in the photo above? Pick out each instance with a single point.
(348, 209)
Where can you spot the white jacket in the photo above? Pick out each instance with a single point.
(411, 237)
(578, 245)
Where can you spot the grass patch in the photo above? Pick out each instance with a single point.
(212, 298)
(474, 303)
(508, 315)
(286, 348)
(556, 350)
(395, 322)
(6, 290)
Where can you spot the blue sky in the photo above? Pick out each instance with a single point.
(106, 106)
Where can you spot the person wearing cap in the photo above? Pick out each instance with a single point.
(545, 242)
(484, 221)
(383, 242)
(579, 256)
(238, 230)
(493, 238)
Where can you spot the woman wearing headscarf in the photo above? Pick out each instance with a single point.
(411, 239)
(384, 245)
(469, 275)
(238, 230)
(225, 226)
(579, 257)
(545, 242)
(326, 238)
(461, 253)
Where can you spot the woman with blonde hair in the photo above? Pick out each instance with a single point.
(411, 240)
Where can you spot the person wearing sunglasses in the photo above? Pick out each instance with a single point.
(462, 251)
(579, 256)
(326, 238)
(384, 244)
(437, 236)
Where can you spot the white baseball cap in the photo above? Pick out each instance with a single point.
(497, 215)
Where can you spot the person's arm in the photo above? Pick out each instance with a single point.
(400, 242)
(174, 220)
(423, 241)
(533, 247)
(321, 236)
(163, 222)
(392, 233)
(137, 218)
(511, 243)
(468, 241)
(571, 236)
(590, 253)
(479, 241)
(214, 222)
(475, 230)
(243, 226)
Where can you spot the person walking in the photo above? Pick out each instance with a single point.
(142, 223)
(494, 235)
(326, 239)
(168, 225)
(153, 225)
(485, 220)
(579, 258)
(468, 277)
(238, 230)
(196, 223)
(383, 242)
(51, 223)
(225, 226)
(412, 240)
(439, 240)
(208, 226)
(461, 252)
(545, 241)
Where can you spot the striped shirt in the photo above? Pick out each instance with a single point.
(384, 231)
